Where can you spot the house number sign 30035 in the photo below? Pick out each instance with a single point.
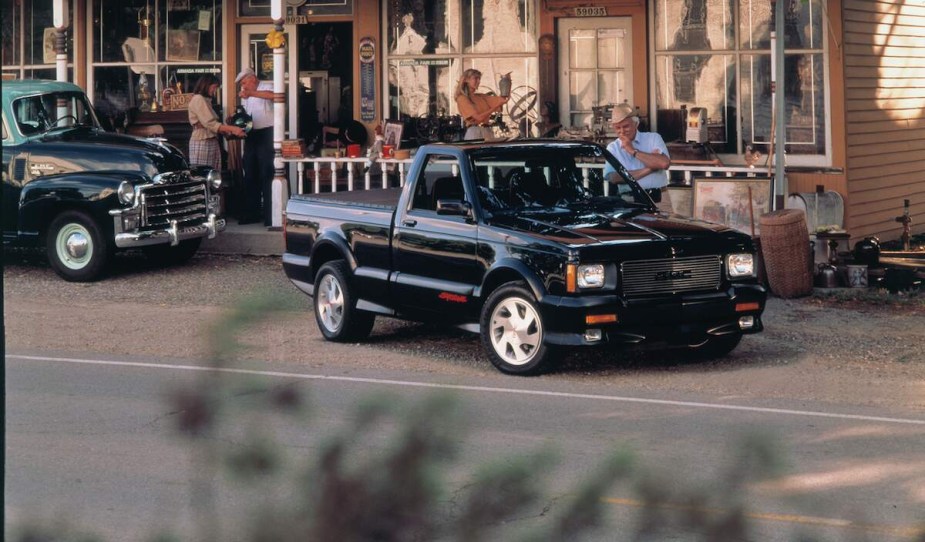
(595, 11)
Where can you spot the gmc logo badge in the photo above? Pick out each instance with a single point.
(674, 275)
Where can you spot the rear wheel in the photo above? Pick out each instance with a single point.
(76, 247)
(513, 332)
(169, 255)
(716, 347)
(335, 305)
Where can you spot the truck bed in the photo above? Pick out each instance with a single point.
(378, 198)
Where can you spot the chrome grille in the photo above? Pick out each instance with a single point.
(175, 198)
(671, 276)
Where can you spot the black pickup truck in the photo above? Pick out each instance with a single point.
(527, 244)
(83, 193)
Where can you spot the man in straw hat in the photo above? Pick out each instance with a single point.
(643, 154)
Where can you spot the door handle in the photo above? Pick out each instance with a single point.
(409, 222)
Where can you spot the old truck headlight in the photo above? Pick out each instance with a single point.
(215, 179)
(740, 265)
(591, 276)
(126, 193)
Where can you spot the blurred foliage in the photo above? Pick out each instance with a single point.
(386, 475)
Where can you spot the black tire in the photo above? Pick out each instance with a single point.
(77, 248)
(335, 305)
(513, 332)
(168, 255)
(716, 347)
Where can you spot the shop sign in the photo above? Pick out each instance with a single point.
(425, 62)
(367, 79)
(179, 101)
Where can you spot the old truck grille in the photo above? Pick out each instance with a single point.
(182, 200)
(671, 276)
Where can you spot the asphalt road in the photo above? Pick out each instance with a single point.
(838, 391)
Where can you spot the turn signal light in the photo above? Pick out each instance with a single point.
(744, 307)
(600, 319)
(571, 278)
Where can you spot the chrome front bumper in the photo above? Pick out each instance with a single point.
(172, 235)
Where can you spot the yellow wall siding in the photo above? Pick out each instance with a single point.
(885, 113)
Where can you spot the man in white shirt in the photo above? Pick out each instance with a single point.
(257, 99)
(643, 154)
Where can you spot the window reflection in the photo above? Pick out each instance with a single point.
(164, 42)
(498, 26)
(431, 43)
(730, 75)
(27, 38)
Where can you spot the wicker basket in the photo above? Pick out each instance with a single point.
(785, 249)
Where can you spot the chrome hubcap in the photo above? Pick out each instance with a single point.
(74, 246)
(330, 304)
(516, 331)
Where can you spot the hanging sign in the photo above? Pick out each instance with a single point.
(367, 79)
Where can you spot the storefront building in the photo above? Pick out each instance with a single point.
(853, 113)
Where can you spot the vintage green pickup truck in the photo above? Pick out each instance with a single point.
(84, 193)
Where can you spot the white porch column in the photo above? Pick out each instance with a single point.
(279, 118)
(61, 19)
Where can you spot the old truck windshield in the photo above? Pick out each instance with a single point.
(43, 112)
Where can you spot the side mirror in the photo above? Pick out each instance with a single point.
(655, 194)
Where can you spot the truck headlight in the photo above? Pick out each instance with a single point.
(740, 265)
(591, 276)
(126, 193)
(215, 179)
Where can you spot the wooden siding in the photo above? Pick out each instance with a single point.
(885, 112)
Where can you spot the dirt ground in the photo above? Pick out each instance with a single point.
(859, 347)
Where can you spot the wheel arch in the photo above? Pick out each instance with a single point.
(327, 249)
(510, 270)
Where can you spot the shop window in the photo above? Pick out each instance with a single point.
(165, 43)
(725, 67)
(431, 43)
(27, 39)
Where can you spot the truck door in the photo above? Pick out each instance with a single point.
(434, 254)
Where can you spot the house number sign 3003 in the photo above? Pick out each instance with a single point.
(588, 11)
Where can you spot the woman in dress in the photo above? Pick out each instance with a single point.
(203, 142)
(476, 108)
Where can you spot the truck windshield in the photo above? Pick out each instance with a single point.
(43, 112)
(517, 180)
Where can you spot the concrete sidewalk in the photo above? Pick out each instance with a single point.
(252, 239)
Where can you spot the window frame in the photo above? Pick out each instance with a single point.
(456, 60)
(159, 45)
(22, 38)
(737, 50)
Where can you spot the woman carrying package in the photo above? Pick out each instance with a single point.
(476, 108)
(203, 142)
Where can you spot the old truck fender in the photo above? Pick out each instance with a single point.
(94, 193)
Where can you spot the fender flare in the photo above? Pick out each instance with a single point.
(505, 270)
(324, 246)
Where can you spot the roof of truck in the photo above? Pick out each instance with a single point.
(28, 87)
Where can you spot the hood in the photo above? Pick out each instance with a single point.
(595, 230)
(91, 149)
